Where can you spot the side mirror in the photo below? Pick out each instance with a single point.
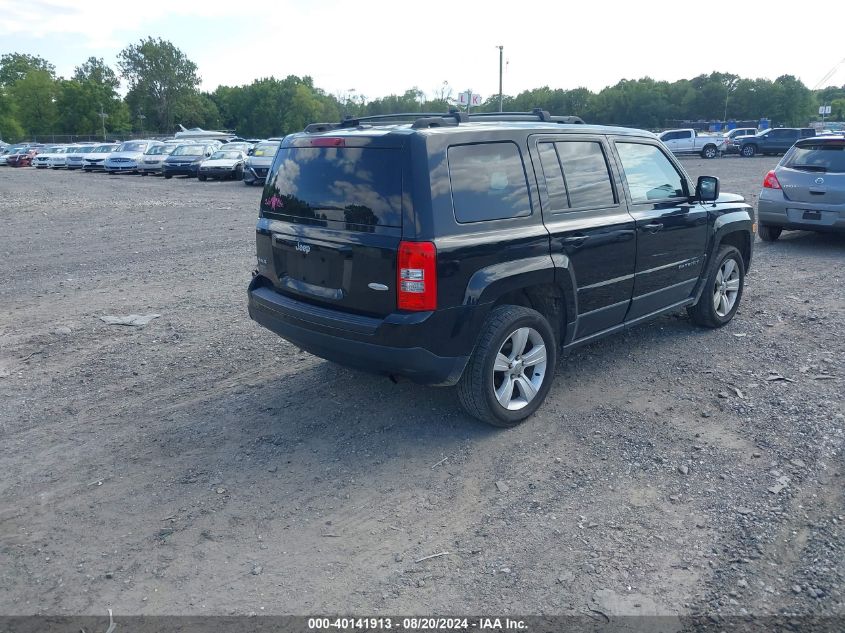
(707, 189)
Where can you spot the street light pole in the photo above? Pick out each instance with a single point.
(500, 76)
(729, 88)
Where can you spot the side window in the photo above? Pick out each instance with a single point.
(553, 175)
(488, 182)
(685, 135)
(649, 174)
(586, 174)
(670, 136)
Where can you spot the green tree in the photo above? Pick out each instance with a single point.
(35, 95)
(16, 66)
(92, 91)
(160, 76)
(10, 129)
(793, 102)
(837, 109)
(198, 110)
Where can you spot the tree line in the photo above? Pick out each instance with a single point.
(163, 91)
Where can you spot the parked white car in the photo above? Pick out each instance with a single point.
(42, 159)
(688, 141)
(59, 161)
(224, 163)
(94, 159)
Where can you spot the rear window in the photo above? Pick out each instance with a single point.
(132, 147)
(265, 149)
(488, 182)
(356, 185)
(820, 157)
(189, 150)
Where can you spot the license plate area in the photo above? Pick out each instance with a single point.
(312, 264)
(812, 215)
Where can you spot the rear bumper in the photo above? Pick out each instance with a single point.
(790, 215)
(366, 343)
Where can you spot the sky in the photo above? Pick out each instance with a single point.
(373, 48)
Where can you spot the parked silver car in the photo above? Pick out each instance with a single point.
(126, 157)
(806, 191)
(154, 157)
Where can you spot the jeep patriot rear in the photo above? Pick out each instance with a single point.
(469, 251)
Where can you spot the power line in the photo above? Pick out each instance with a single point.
(829, 74)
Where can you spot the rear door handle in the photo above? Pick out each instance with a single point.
(654, 227)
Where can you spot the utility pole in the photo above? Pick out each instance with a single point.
(103, 116)
(500, 76)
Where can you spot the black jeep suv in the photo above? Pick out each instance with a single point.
(471, 250)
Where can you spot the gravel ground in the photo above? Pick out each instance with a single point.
(201, 465)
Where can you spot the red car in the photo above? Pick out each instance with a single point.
(22, 159)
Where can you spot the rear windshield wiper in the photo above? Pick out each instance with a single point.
(809, 167)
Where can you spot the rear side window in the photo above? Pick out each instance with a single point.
(649, 174)
(819, 157)
(488, 182)
(576, 175)
(356, 185)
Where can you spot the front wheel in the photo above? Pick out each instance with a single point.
(722, 292)
(709, 152)
(201, 177)
(168, 176)
(512, 368)
(748, 151)
(769, 233)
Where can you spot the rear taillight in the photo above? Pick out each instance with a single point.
(771, 181)
(417, 276)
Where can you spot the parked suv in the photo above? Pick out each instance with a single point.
(468, 251)
(773, 141)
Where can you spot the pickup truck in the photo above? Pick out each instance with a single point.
(772, 141)
(688, 141)
(734, 134)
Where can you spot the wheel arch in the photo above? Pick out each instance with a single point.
(540, 283)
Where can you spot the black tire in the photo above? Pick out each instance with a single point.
(143, 173)
(748, 151)
(239, 173)
(202, 178)
(168, 176)
(709, 151)
(769, 233)
(704, 312)
(476, 388)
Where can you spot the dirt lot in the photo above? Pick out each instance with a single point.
(201, 465)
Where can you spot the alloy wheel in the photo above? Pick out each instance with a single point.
(519, 369)
(726, 289)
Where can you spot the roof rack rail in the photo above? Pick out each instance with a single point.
(408, 116)
(537, 114)
(453, 117)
